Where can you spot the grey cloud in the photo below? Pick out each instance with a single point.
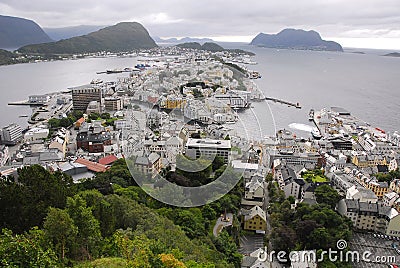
(216, 18)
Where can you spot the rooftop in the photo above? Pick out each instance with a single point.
(209, 143)
(93, 166)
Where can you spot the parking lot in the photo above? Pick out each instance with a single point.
(382, 250)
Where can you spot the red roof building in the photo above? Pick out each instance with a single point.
(108, 160)
(92, 166)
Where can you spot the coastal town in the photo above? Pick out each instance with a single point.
(184, 102)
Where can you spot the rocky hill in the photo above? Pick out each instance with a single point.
(124, 36)
(16, 32)
(295, 39)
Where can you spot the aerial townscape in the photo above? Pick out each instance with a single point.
(83, 184)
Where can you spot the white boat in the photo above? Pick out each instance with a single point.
(316, 133)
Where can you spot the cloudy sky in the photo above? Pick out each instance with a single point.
(354, 23)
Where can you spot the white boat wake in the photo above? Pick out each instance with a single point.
(302, 127)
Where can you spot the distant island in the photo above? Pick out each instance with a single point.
(212, 47)
(16, 32)
(393, 54)
(295, 39)
(124, 36)
(182, 40)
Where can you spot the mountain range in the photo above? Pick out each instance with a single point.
(16, 32)
(124, 36)
(67, 32)
(295, 39)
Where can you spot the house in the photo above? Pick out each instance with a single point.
(254, 189)
(149, 164)
(289, 182)
(92, 138)
(254, 192)
(255, 219)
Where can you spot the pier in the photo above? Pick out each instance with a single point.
(26, 103)
(296, 105)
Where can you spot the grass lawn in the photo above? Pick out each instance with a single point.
(311, 176)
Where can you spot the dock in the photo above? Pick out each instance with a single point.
(26, 103)
(296, 105)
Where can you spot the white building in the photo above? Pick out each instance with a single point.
(208, 148)
(11, 134)
(37, 133)
(390, 198)
(173, 147)
(39, 98)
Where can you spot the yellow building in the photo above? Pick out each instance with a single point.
(174, 103)
(379, 189)
(364, 161)
(255, 219)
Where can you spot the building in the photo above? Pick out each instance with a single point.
(173, 147)
(362, 194)
(341, 143)
(92, 166)
(289, 182)
(395, 185)
(254, 189)
(149, 164)
(37, 133)
(291, 158)
(4, 155)
(83, 95)
(394, 163)
(173, 102)
(367, 216)
(390, 198)
(113, 104)
(93, 107)
(92, 138)
(11, 134)
(108, 160)
(254, 219)
(341, 181)
(39, 99)
(208, 148)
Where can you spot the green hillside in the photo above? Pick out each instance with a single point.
(124, 36)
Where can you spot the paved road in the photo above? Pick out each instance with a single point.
(220, 223)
